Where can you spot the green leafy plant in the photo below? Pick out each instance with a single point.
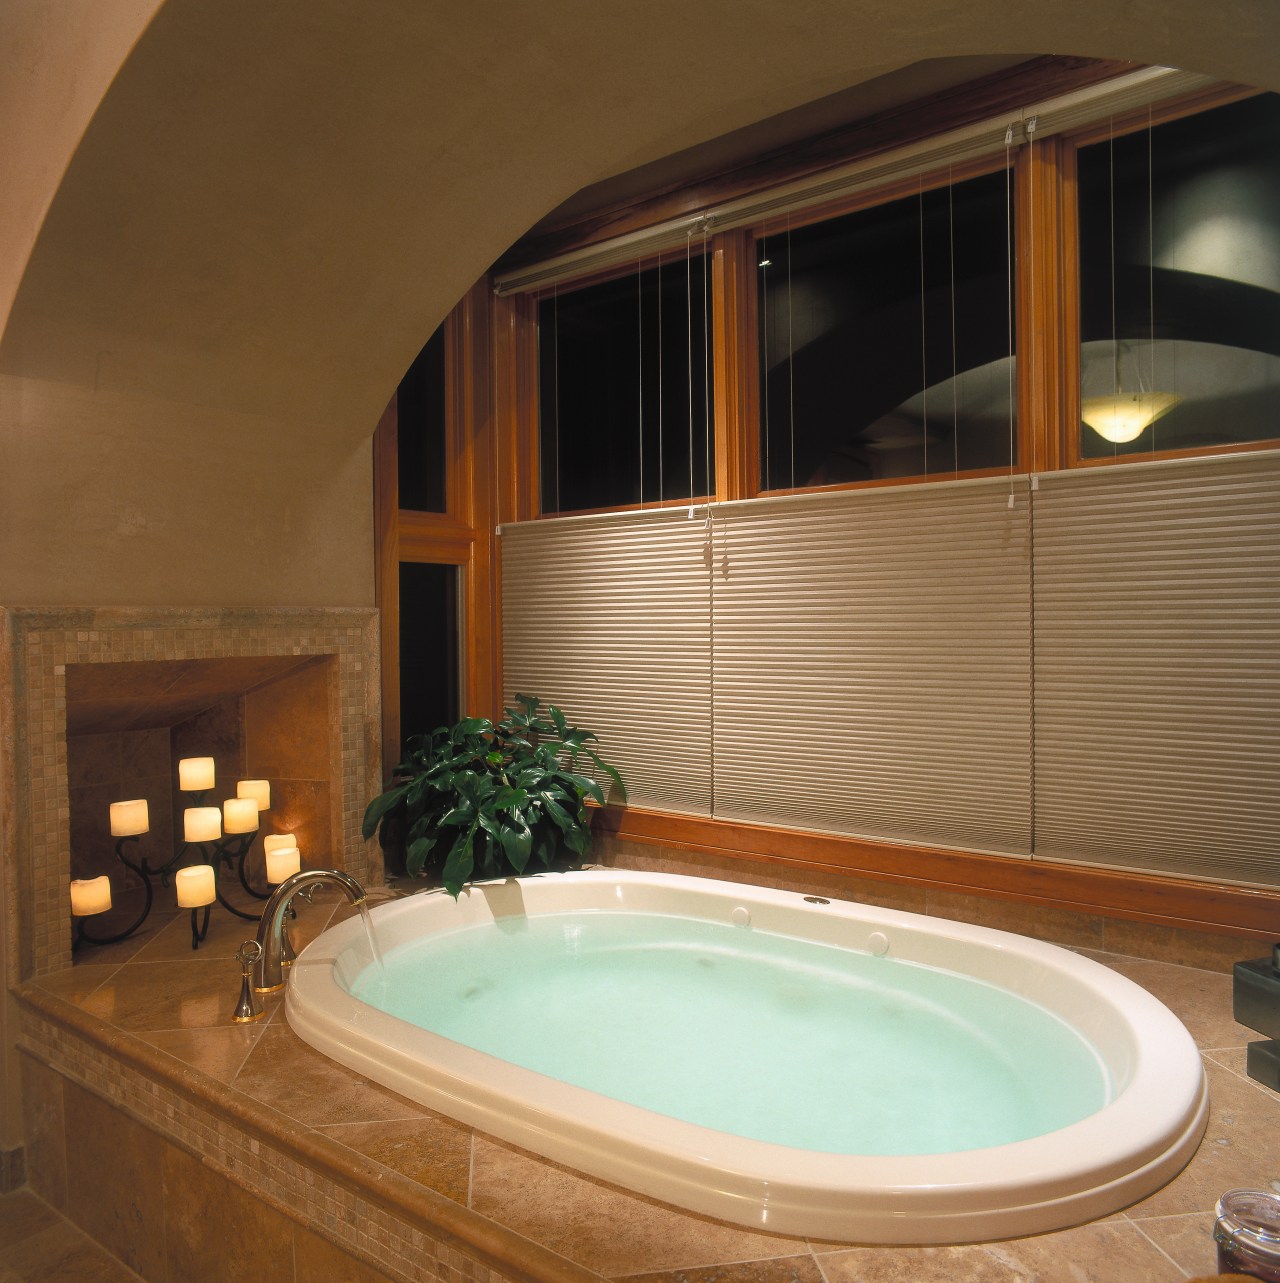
(484, 800)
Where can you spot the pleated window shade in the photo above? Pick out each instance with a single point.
(1092, 675)
(609, 618)
(873, 665)
(1157, 663)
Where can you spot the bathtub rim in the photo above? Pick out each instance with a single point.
(1089, 1169)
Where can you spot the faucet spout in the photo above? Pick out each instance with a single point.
(269, 972)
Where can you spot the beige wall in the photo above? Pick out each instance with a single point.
(221, 245)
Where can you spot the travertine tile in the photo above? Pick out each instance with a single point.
(62, 1254)
(22, 1215)
(1186, 948)
(76, 983)
(173, 942)
(601, 1226)
(1186, 1240)
(1036, 921)
(434, 1151)
(220, 1053)
(315, 1259)
(214, 1230)
(147, 996)
(1108, 1253)
(44, 1117)
(114, 1173)
(782, 1269)
(284, 1072)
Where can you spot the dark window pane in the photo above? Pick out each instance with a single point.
(428, 647)
(420, 413)
(1180, 283)
(885, 340)
(624, 396)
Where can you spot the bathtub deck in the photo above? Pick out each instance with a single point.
(160, 992)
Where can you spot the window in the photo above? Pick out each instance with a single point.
(428, 647)
(625, 391)
(886, 340)
(420, 407)
(1180, 284)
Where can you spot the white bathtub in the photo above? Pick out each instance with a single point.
(1131, 1146)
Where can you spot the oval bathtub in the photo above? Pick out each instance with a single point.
(1148, 1124)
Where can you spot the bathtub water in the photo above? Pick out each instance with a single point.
(810, 1068)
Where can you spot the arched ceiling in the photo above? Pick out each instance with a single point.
(274, 203)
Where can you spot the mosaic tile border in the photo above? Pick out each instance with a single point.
(358, 1225)
(43, 641)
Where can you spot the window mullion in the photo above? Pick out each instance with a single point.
(1046, 292)
(736, 417)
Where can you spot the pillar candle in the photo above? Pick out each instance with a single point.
(240, 815)
(260, 790)
(278, 842)
(90, 895)
(195, 774)
(283, 863)
(202, 824)
(195, 886)
(129, 818)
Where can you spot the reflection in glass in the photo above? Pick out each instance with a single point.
(625, 389)
(885, 340)
(428, 647)
(1180, 282)
(420, 434)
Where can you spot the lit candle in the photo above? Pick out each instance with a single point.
(260, 790)
(129, 818)
(283, 863)
(278, 842)
(240, 815)
(195, 886)
(202, 824)
(90, 895)
(195, 774)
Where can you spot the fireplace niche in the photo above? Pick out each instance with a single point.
(101, 704)
(128, 724)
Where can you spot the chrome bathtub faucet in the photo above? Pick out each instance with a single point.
(269, 968)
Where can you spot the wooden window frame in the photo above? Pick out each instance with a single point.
(496, 444)
(462, 536)
(1069, 273)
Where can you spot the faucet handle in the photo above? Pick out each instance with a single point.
(250, 1005)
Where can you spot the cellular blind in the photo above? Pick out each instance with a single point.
(608, 617)
(1157, 667)
(872, 663)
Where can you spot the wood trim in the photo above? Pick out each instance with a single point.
(479, 679)
(971, 474)
(1175, 109)
(1169, 902)
(515, 401)
(1042, 302)
(386, 576)
(1068, 443)
(1033, 81)
(1190, 452)
(427, 541)
(735, 359)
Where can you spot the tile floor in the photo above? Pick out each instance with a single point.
(180, 1002)
(37, 1245)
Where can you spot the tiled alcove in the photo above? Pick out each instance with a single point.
(40, 644)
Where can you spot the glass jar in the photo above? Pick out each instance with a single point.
(1247, 1233)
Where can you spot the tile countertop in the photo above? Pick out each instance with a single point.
(155, 995)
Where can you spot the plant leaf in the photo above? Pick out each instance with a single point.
(379, 807)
